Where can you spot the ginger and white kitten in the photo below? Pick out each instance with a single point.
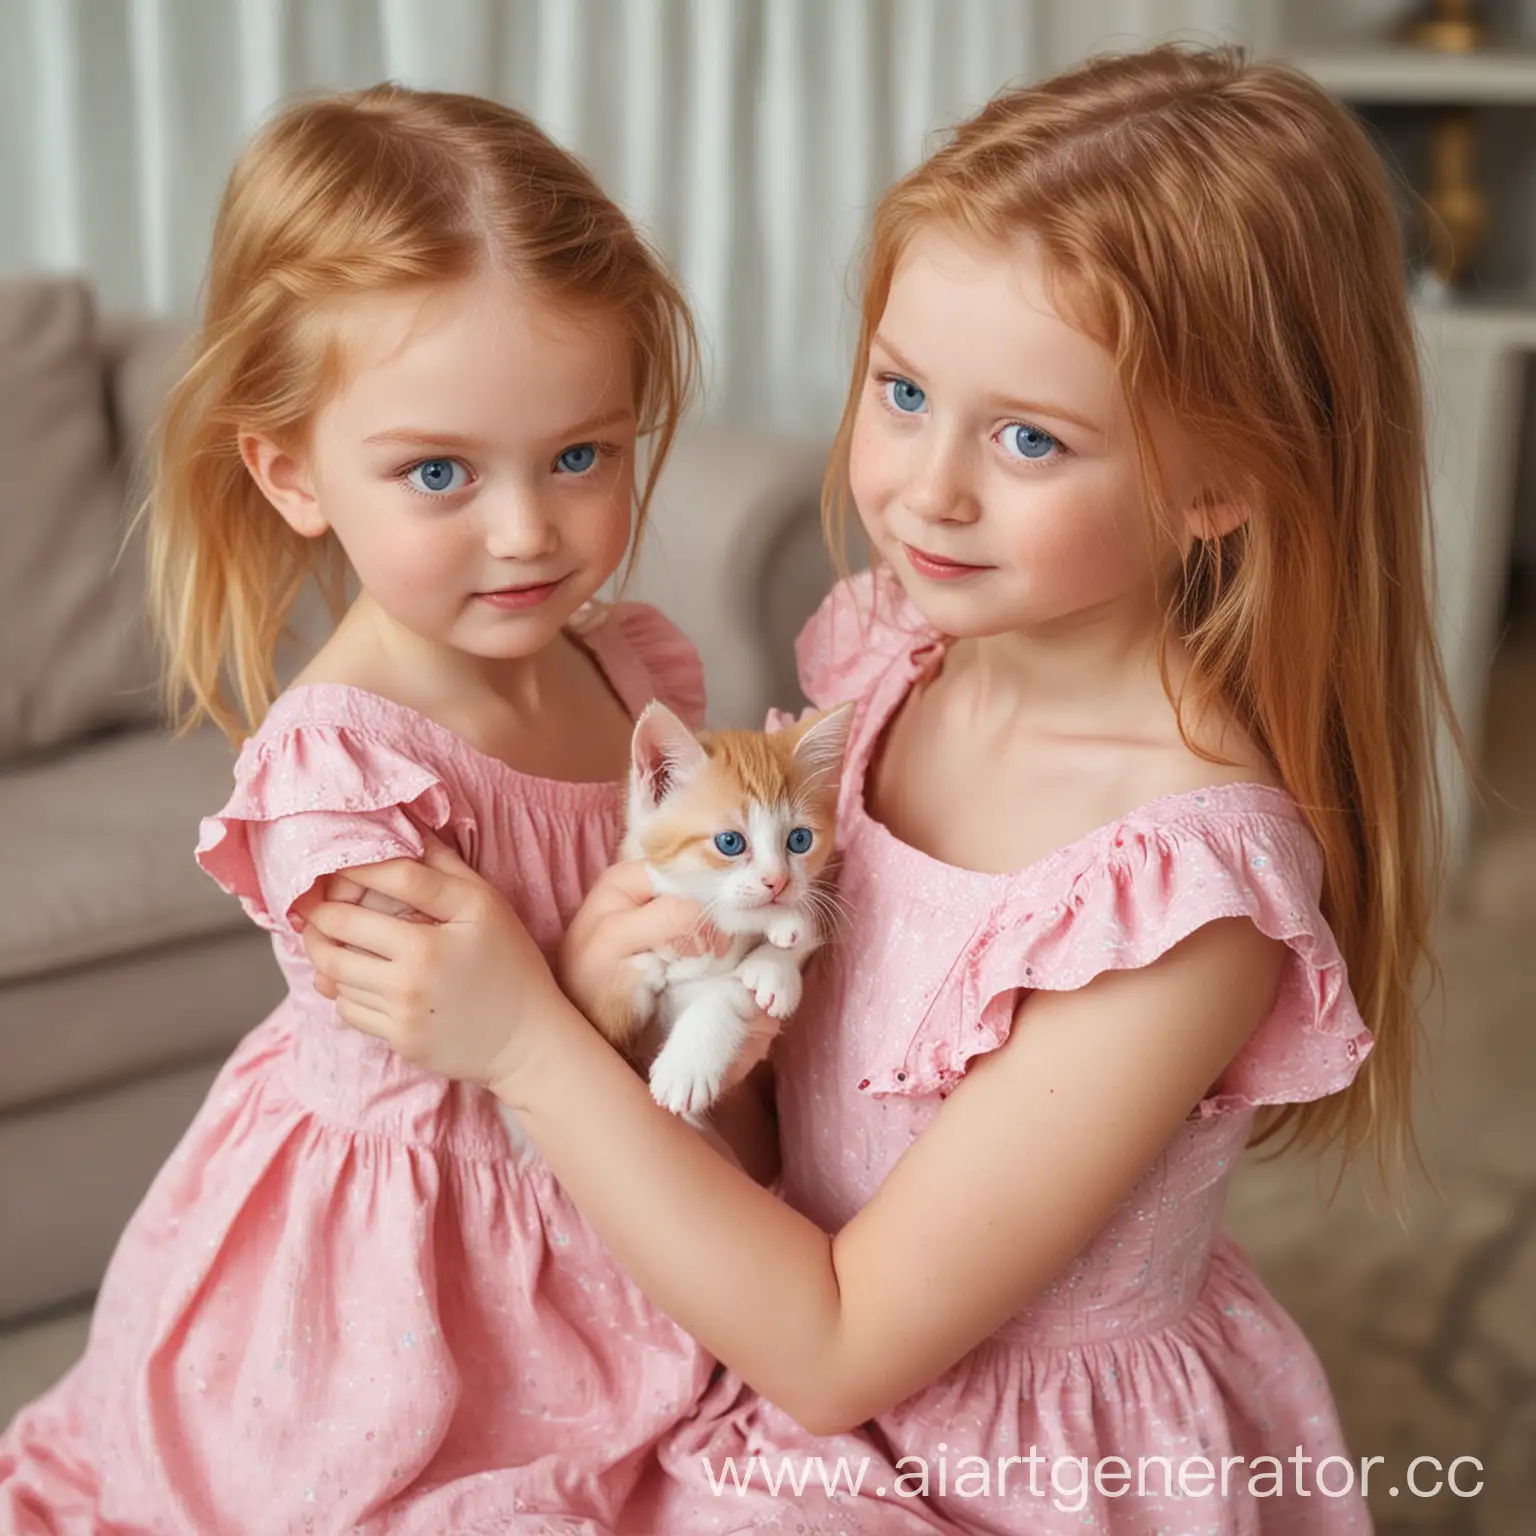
(742, 822)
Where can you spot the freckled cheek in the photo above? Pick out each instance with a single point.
(874, 469)
(597, 528)
(1078, 538)
(612, 524)
(416, 568)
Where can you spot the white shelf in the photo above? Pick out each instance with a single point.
(1421, 76)
(1510, 319)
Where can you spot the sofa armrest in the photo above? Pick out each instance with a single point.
(730, 502)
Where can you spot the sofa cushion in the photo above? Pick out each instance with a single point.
(796, 575)
(76, 650)
(97, 850)
(83, 1029)
(726, 498)
(143, 358)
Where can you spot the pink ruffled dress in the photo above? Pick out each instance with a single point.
(1158, 1341)
(345, 1303)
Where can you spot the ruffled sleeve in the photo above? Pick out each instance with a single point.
(311, 800)
(671, 666)
(863, 626)
(1140, 888)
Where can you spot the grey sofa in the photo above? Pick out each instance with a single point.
(126, 976)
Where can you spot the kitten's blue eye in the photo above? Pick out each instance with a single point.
(730, 843)
(578, 460)
(905, 396)
(1025, 442)
(438, 476)
(800, 840)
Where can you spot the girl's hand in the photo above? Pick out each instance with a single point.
(458, 986)
(339, 888)
(621, 918)
(460, 993)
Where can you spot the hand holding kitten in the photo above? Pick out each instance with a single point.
(621, 921)
(735, 826)
(433, 981)
(743, 822)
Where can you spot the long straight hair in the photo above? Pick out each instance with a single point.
(1230, 234)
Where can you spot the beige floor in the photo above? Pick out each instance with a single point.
(1426, 1330)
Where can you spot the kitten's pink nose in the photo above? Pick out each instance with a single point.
(774, 884)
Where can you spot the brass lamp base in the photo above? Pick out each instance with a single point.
(1447, 36)
(1449, 27)
(1457, 212)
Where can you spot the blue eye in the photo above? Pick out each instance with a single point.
(800, 840)
(437, 476)
(578, 460)
(904, 396)
(730, 843)
(1026, 442)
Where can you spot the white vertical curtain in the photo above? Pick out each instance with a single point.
(750, 136)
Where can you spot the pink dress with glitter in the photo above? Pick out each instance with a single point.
(345, 1303)
(1158, 1340)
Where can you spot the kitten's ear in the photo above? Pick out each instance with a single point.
(824, 740)
(662, 752)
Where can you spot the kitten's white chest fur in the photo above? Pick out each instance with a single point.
(714, 1017)
(741, 822)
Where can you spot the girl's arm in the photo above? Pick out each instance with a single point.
(1022, 1165)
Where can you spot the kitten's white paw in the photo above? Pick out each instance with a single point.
(686, 1082)
(785, 932)
(652, 971)
(773, 982)
(690, 1069)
